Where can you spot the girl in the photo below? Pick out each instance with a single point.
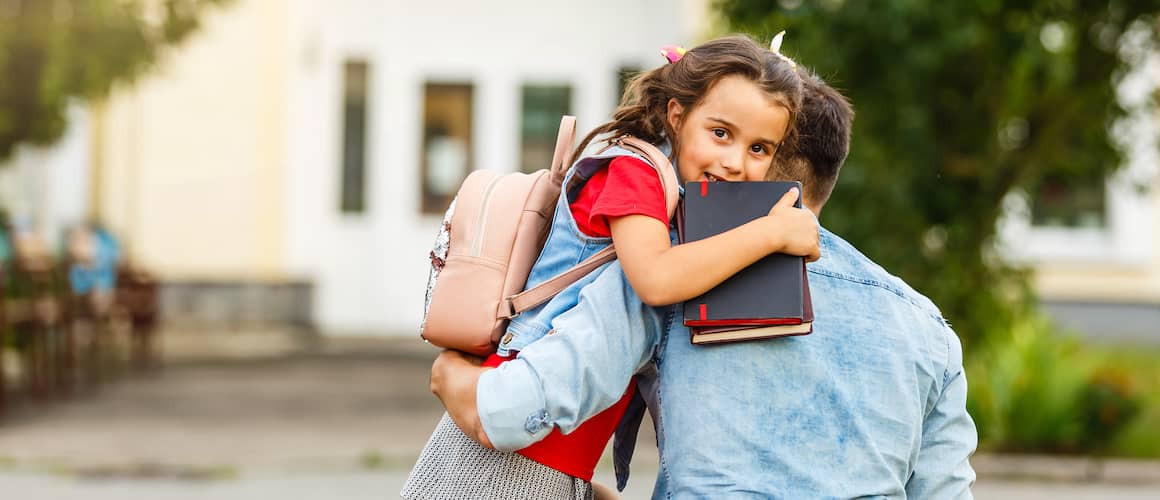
(720, 111)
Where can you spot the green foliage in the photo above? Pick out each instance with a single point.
(1108, 402)
(372, 460)
(1038, 392)
(1141, 438)
(52, 52)
(958, 104)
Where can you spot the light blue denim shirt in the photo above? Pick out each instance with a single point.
(872, 404)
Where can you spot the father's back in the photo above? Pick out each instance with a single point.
(871, 404)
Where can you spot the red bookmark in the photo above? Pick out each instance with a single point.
(704, 188)
(703, 312)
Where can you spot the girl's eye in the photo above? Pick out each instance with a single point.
(757, 149)
(720, 132)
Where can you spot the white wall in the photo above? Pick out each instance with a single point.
(46, 188)
(370, 270)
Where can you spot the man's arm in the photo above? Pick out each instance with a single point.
(560, 380)
(454, 377)
(943, 468)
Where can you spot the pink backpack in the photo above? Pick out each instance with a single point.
(492, 235)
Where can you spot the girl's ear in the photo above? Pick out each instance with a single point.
(675, 113)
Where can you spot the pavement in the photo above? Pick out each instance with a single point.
(266, 414)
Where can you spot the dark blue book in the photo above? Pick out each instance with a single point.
(769, 298)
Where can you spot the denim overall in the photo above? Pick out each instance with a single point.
(565, 247)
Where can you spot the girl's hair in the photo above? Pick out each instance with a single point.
(643, 109)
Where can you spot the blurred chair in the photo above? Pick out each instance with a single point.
(35, 313)
(108, 292)
(58, 317)
(3, 325)
(90, 257)
(137, 295)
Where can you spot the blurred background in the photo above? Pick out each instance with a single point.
(216, 218)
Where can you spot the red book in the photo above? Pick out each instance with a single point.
(719, 334)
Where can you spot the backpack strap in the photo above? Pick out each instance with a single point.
(660, 163)
(516, 304)
(562, 156)
(541, 293)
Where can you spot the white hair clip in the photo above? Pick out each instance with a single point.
(775, 47)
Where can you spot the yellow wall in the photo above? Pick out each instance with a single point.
(189, 160)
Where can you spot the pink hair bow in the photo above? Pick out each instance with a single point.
(672, 53)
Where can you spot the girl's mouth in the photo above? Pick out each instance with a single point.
(713, 178)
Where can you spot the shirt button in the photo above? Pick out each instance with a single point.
(536, 421)
(507, 339)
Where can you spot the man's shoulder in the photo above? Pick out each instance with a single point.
(842, 261)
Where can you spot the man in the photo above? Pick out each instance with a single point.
(871, 404)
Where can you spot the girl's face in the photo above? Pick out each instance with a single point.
(731, 135)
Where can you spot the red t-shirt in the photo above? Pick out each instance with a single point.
(627, 187)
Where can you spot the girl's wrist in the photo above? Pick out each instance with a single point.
(774, 239)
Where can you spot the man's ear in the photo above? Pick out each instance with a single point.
(675, 114)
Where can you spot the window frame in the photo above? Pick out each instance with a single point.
(1126, 239)
(353, 179)
(550, 138)
(431, 203)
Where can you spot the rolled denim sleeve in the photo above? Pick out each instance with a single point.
(949, 437)
(511, 406)
(580, 369)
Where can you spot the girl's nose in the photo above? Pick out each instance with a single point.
(731, 162)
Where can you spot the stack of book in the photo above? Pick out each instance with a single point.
(768, 299)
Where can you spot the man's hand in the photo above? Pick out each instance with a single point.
(454, 377)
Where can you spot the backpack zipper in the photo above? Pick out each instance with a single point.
(477, 245)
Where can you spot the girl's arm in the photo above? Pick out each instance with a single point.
(663, 274)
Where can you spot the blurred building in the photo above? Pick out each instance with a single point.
(1095, 243)
(1100, 278)
(291, 162)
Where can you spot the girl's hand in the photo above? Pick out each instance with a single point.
(794, 230)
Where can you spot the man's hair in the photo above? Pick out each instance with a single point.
(821, 143)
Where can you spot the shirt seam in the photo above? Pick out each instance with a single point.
(946, 361)
(946, 375)
(660, 428)
(884, 286)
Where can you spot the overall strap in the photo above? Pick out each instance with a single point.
(660, 163)
(562, 156)
(532, 297)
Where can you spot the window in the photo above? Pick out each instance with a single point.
(354, 133)
(446, 155)
(1077, 221)
(543, 105)
(1069, 202)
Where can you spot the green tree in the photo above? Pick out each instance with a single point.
(958, 104)
(55, 51)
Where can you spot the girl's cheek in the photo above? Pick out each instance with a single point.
(758, 170)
